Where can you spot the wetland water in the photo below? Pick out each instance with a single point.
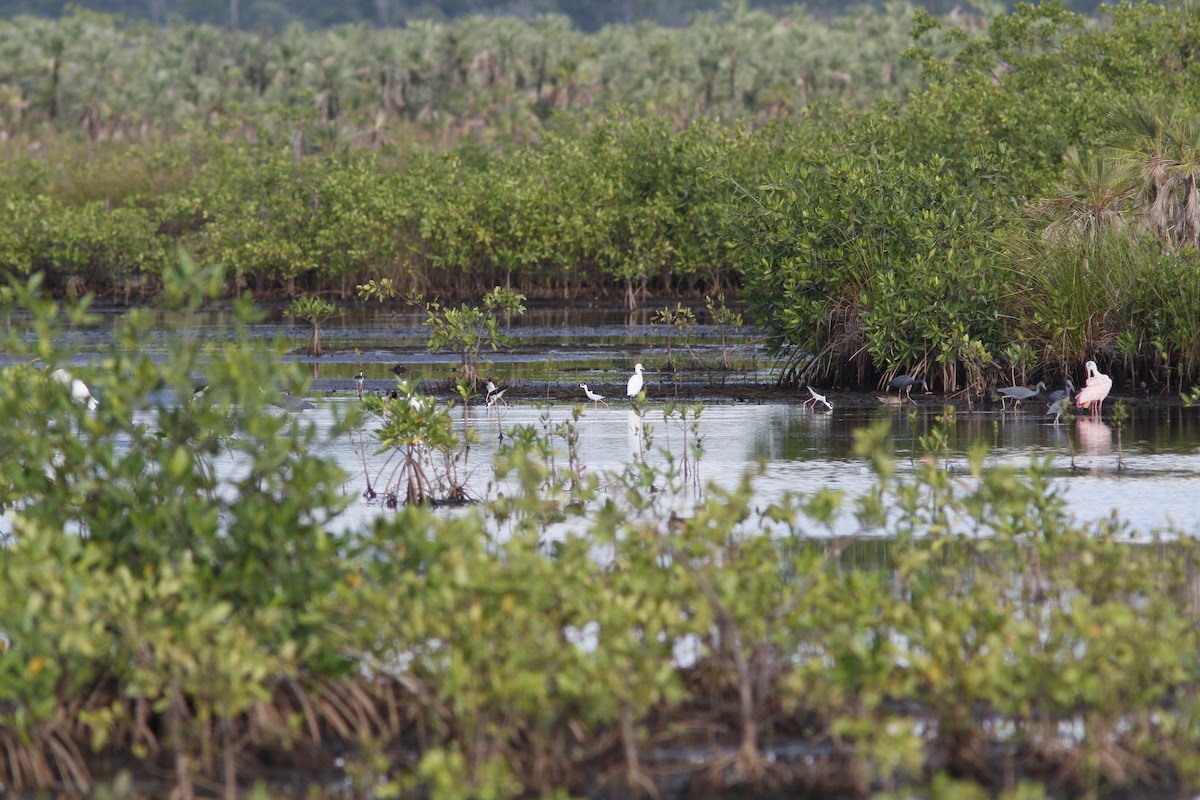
(1146, 471)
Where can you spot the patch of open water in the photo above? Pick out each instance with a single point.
(1147, 471)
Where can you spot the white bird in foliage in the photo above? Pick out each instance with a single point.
(80, 392)
(634, 387)
(595, 398)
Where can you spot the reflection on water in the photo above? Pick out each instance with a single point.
(1095, 436)
(1152, 480)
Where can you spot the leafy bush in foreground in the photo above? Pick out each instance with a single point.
(167, 603)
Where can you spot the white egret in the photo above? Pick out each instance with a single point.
(595, 398)
(634, 387)
(80, 392)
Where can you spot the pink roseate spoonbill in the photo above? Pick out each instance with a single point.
(1095, 390)
(906, 382)
(634, 387)
(817, 398)
(1019, 393)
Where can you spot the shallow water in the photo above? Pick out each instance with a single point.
(591, 344)
(1147, 472)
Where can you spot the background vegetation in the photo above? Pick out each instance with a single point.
(1012, 197)
(589, 15)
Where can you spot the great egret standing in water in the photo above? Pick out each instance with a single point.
(634, 387)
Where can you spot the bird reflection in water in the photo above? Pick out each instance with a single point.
(1095, 437)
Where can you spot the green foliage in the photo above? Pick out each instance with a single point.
(726, 321)
(843, 272)
(679, 321)
(147, 495)
(314, 310)
(422, 434)
(479, 76)
(161, 597)
(465, 330)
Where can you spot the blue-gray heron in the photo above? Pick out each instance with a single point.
(906, 383)
(1019, 393)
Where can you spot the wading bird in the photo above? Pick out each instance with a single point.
(494, 393)
(1095, 390)
(495, 396)
(1057, 407)
(1019, 393)
(360, 380)
(817, 398)
(289, 403)
(80, 392)
(634, 387)
(595, 398)
(906, 382)
(1059, 394)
